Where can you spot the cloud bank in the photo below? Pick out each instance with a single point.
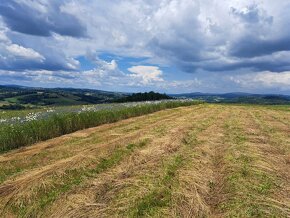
(162, 45)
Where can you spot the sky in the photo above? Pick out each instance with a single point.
(172, 46)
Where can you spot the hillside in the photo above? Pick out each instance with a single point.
(198, 161)
(29, 97)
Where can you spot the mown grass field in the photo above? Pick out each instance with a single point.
(195, 161)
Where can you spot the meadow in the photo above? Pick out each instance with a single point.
(175, 160)
(22, 116)
(22, 128)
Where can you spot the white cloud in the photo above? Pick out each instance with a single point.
(146, 74)
(3, 37)
(104, 65)
(264, 80)
(27, 53)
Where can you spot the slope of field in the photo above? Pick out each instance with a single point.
(197, 161)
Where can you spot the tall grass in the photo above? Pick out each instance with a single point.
(19, 135)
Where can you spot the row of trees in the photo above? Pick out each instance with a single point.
(147, 96)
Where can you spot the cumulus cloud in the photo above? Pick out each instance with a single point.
(252, 14)
(264, 79)
(101, 64)
(22, 52)
(19, 55)
(108, 73)
(146, 74)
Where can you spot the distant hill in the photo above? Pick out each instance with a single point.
(12, 96)
(237, 97)
(21, 97)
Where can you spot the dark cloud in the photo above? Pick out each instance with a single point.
(255, 65)
(177, 48)
(24, 64)
(279, 62)
(253, 47)
(24, 19)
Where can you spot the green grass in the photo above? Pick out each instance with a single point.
(245, 182)
(160, 196)
(4, 173)
(12, 100)
(279, 107)
(19, 135)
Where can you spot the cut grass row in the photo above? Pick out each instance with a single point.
(160, 201)
(68, 147)
(248, 183)
(60, 183)
(19, 135)
(45, 196)
(161, 196)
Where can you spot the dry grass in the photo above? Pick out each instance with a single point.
(198, 161)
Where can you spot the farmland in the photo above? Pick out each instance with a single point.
(197, 161)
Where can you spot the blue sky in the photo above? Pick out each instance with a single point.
(171, 46)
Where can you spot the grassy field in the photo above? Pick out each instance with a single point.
(21, 134)
(196, 161)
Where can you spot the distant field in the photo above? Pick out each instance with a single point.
(198, 161)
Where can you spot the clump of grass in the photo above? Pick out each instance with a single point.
(19, 135)
(160, 196)
(154, 200)
(4, 173)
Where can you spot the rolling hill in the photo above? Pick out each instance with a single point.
(28, 96)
